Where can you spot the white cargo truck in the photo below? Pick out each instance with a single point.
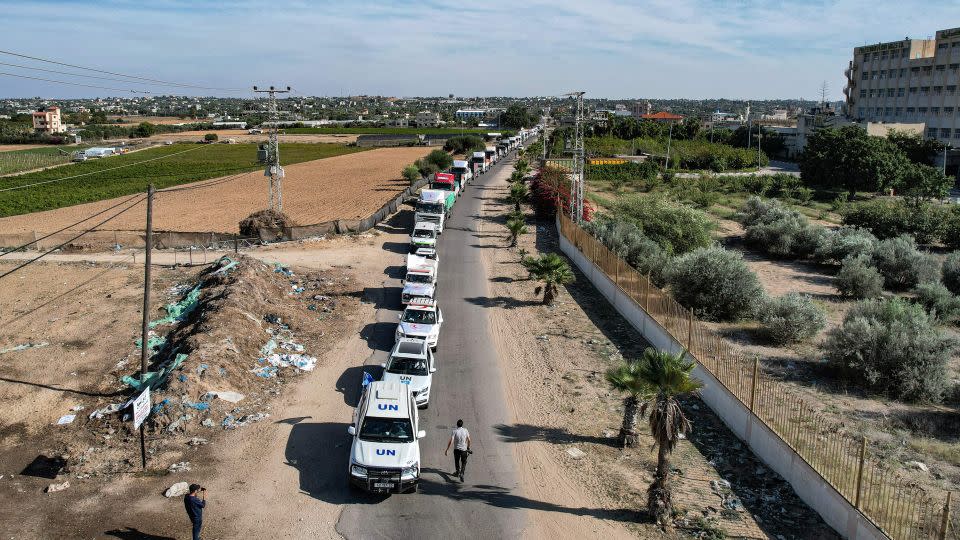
(432, 208)
(385, 452)
(420, 280)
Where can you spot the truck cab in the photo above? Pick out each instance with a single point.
(424, 234)
(461, 169)
(491, 154)
(432, 208)
(420, 280)
(421, 319)
(385, 452)
(412, 363)
(445, 182)
(480, 159)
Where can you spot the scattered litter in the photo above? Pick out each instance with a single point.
(718, 485)
(312, 307)
(182, 378)
(321, 297)
(232, 397)
(198, 406)
(179, 311)
(223, 371)
(733, 503)
(155, 378)
(53, 488)
(198, 441)
(224, 268)
(291, 346)
(154, 342)
(268, 348)
(177, 490)
(576, 453)
(159, 406)
(109, 409)
(299, 361)
(66, 419)
(266, 372)
(182, 466)
(202, 368)
(76, 408)
(918, 465)
(207, 423)
(230, 422)
(23, 347)
(280, 269)
(272, 319)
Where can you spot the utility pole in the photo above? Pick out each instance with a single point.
(145, 327)
(759, 128)
(666, 162)
(274, 170)
(576, 178)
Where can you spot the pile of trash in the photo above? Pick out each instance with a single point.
(227, 344)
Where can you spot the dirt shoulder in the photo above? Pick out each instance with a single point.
(566, 418)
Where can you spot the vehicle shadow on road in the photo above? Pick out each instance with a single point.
(507, 302)
(132, 533)
(517, 433)
(395, 271)
(379, 335)
(348, 383)
(501, 497)
(320, 452)
(397, 247)
(381, 297)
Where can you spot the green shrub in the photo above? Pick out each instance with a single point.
(838, 244)
(893, 347)
(210, 137)
(888, 218)
(638, 175)
(779, 231)
(858, 279)
(440, 159)
(714, 282)
(790, 318)
(675, 227)
(938, 301)
(757, 210)
(464, 144)
(902, 265)
(951, 272)
(951, 228)
(627, 240)
(411, 173)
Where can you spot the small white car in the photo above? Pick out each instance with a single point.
(424, 235)
(385, 452)
(412, 364)
(421, 319)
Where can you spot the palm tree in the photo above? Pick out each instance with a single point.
(552, 271)
(624, 379)
(522, 167)
(667, 376)
(516, 226)
(518, 195)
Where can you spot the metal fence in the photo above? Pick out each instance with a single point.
(899, 507)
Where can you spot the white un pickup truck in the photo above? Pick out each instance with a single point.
(412, 363)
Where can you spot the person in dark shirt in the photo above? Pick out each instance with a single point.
(195, 502)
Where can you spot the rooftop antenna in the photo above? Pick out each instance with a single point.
(274, 170)
(824, 90)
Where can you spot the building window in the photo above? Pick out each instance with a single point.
(924, 90)
(863, 92)
(937, 90)
(881, 74)
(864, 76)
(873, 74)
(910, 110)
(955, 44)
(935, 111)
(932, 132)
(915, 69)
(927, 70)
(860, 112)
(883, 55)
(900, 92)
(945, 133)
(888, 111)
(890, 92)
(897, 111)
(922, 110)
(913, 89)
(951, 89)
(956, 133)
(955, 67)
(941, 46)
(876, 55)
(903, 72)
(873, 92)
(941, 67)
(948, 111)
(905, 53)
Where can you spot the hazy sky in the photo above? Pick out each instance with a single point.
(658, 48)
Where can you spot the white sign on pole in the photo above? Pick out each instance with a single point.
(141, 408)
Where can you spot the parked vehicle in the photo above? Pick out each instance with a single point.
(480, 158)
(255, 131)
(461, 169)
(99, 152)
(434, 207)
(503, 147)
(420, 280)
(79, 157)
(445, 182)
(421, 319)
(412, 363)
(424, 234)
(385, 452)
(491, 154)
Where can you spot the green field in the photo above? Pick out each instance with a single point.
(389, 131)
(35, 158)
(197, 163)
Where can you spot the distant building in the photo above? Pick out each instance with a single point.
(470, 114)
(662, 116)
(48, 121)
(427, 119)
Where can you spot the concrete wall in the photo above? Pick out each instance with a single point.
(812, 488)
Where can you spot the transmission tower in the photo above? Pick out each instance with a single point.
(824, 92)
(274, 170)
(576, 176)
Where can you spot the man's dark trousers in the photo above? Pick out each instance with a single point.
(460, 460)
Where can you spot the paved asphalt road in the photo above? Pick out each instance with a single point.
(467, 385)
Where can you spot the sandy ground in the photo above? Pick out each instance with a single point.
(351, 186)
(12, 147)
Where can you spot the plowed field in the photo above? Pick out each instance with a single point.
(350, 186)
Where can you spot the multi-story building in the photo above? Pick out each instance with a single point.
(911, 81)
(427, 119)
(48, 121)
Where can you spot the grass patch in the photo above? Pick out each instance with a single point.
(389, 131)
(35, 158)
(200, 163)
(944, 451)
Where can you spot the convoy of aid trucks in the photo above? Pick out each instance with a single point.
(385, 452)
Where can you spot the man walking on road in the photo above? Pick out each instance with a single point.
(460, 440)
(195, 502)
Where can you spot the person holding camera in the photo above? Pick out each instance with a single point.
(195, 502)
(460, 440)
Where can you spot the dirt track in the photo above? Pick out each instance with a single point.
(343, 187)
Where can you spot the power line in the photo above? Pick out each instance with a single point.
(102, 170)
(76, 84)
(91, 229)
(36, 240)
(64, 72)
(158, 81)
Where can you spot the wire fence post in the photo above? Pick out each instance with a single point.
(646, 293)
(236, 245)
(861, 458)
(753, 390)
(145, 328)
(689, 330)
(945, 523)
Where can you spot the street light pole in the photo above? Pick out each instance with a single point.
(666, 163)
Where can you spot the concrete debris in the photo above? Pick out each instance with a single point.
(177, 490)
(918, 465)
(232, 397)
(53, 488)
(182, 466)
(576, 453)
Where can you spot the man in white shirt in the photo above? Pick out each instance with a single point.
(460, 440)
